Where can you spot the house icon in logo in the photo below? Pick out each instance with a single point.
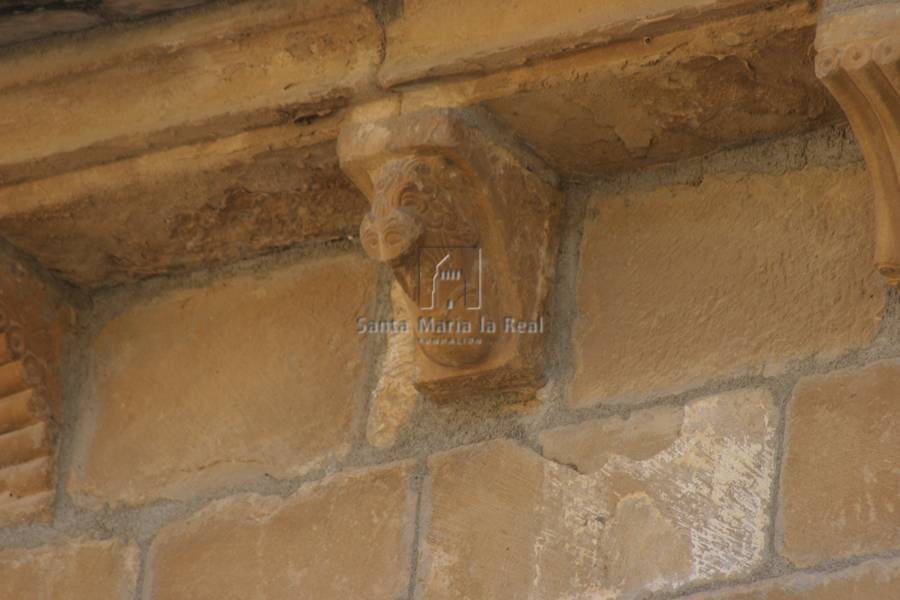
(450, 278)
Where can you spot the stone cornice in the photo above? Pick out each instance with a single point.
(168, 84)
(111, 94)
(233, 93)
(425, 42)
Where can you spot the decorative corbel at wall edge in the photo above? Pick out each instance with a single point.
(33, 321)
(468, 220)
(858, 59)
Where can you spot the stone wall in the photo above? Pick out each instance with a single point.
(720, 419)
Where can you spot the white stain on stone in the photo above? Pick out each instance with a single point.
(710, 488)
(715, 484)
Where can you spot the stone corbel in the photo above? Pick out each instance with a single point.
(858, 59)
(468, 222)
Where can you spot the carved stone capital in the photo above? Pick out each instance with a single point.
(468, 222)
(858, 59)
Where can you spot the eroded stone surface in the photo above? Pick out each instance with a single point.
(871, 580)
(36, 314)
(34, 319)
(657, 98)
(74, 570)
(841, 482)
(445, 37)
(140, 8)
(205, 75)
(394, 398)
(203, 387)
(346, 537)
(175, 210)
(30, 25)
(722, 81)
(737, 274)
(691, 482)
(833, 7)
(24, 20)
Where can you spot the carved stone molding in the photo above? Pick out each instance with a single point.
(468, 222)
(31, 328)
(858, 59)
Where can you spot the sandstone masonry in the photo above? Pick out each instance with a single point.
(711, 412)
(344, 537)
(841, 483)
(737, 274)
(203, 387)
(76, 569)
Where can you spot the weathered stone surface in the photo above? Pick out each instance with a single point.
(501, 522)
(394, 398)
(737, 274)
(34, 319)
(834, 7)
(842, 22)
(36, 316)
(693, 483)
(140, 8)
(873, 580)
(448, 37)
(72, 570)
(203, 387)
(192, 206)
(841, 482)
(321, 55)
(156, 94)
(656, 99)
(349, 536)
(23, 20)
(205, 75)
(31, 25)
